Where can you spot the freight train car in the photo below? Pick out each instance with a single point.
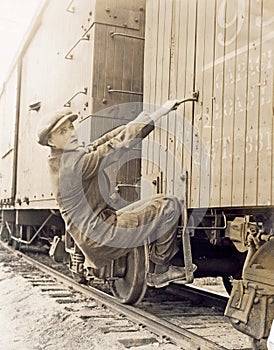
(79, 55)
(222, 145)
(87, 56)
(215, 152)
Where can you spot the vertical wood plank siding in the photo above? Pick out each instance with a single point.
(52, 77)
(241, 90)
(224, 49)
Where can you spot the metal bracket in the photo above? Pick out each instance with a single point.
(35, 106)
(85, 36)
(113, 34)
(211, 227)
(7, 202)
(20, 240)
(6, 154)
(124, 91)
(70, 8)
(68, 103)
(241, 301)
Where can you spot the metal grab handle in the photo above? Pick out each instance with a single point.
(194, 98)
(124, 91)
(117, 187)
(85, 36)
(113, 34)
(68, 103)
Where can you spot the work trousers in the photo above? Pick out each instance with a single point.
(152, 222)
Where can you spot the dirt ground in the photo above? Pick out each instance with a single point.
(33, 320)
(30, 320)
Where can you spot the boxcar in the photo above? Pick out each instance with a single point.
(84, 55)
(222, 144)
(215, 152)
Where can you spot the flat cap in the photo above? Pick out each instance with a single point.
(51, 122)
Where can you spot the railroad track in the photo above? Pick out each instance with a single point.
(174, 319)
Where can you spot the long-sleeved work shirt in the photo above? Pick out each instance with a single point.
(81, 188)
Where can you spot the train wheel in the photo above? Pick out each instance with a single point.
(131, 288)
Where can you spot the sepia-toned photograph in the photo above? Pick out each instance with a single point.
(137, 174)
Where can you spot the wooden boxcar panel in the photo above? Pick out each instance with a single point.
(265, 127)
(218, 102)
(118, 60)
(165, 55)
(7, 125)
(229, 59)
(164, 33)
(174, 145)
(73, 60)
(240, 106)
(189, 48)
(199, 168)
(50, 78)
(156, 148)
(149, 167)
(184, 86)
(228, 111)
(207, 106)
(251, 172)
(118, 66)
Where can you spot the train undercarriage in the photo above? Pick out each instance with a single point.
(234, 244)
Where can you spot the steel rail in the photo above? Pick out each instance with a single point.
(199, 295)
(176, 335)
